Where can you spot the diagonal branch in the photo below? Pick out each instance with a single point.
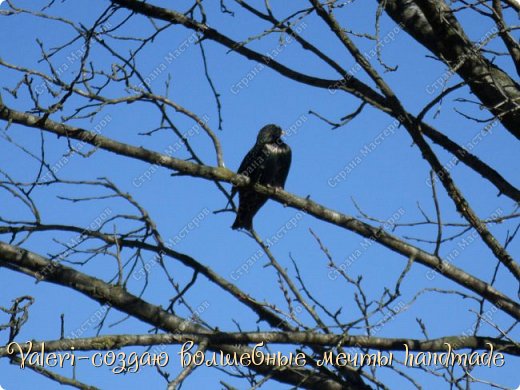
(433, 24)
(348, 84)
(32, 264)
(352, 84)
(415, 130)
(315, 209)
(263, 313)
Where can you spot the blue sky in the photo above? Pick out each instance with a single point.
(391, 179)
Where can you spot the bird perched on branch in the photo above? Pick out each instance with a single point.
(267, 163)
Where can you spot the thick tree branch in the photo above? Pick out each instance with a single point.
(432, 24)
(348, 84)
(129, 239)
(263, 312)
(415, 131)
(34, 265)
(315, 209)
(113, 342)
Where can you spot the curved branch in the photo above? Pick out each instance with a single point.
(263, 312)
(348, 84)
(32, 264)
(415, 131)
(321, 212)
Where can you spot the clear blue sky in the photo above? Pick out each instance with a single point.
(391, 179)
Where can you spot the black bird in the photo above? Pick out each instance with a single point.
(267, 163)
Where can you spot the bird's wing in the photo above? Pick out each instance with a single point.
(285, 159)
(277, 165)
(252, 163)
(251, 166)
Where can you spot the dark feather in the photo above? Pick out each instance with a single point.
(267, 163)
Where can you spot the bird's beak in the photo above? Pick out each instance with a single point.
(283, 132)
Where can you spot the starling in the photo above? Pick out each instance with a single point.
(267, 163)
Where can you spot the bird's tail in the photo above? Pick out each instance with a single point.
(243, 222)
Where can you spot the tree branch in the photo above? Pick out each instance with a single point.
(114, 342)
(34, 265)
(305, 204)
